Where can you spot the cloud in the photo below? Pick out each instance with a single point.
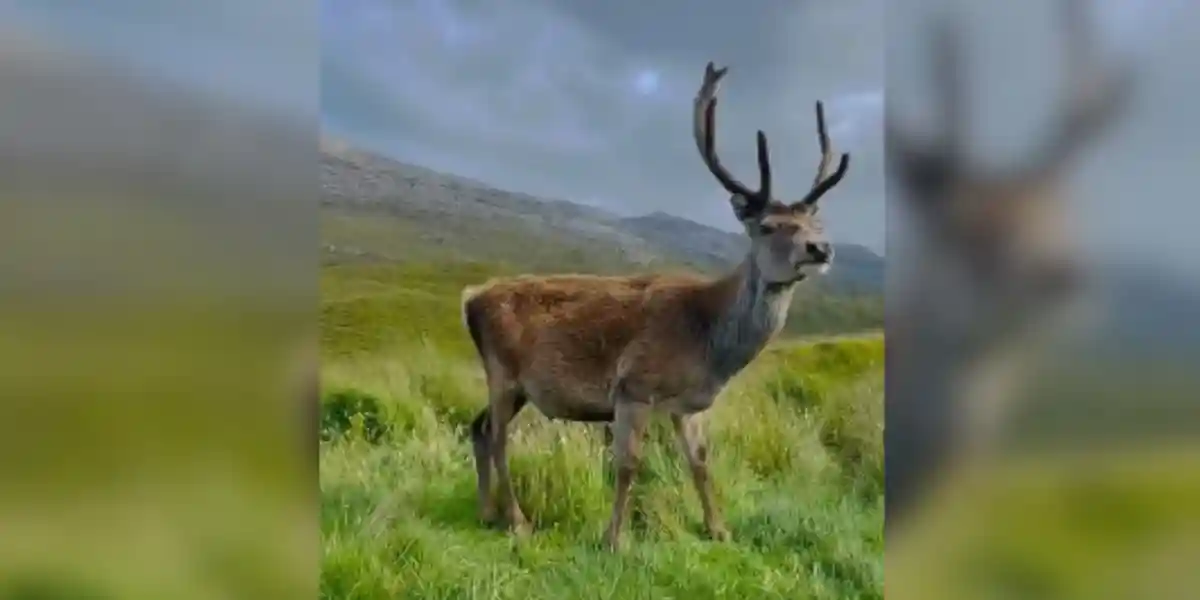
(592, 101)
(518, 76)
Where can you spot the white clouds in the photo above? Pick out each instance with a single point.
(856, 118)
(592, 102)
(538, 76)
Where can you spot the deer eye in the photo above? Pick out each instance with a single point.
(766, 229)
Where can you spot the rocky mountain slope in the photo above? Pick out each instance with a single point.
(451, 215)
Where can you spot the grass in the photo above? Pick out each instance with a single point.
(797, 451)
(796, 447)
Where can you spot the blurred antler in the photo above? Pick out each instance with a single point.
(1093, 97)
(1093, 94)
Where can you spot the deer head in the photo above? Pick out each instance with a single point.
(999, 236)
(787, 239)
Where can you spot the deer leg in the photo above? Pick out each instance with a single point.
(502, 412)
(690, 435)
(480, 432)
(629, 427)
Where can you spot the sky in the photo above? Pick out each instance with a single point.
(217, 46)
(591, 101)
(1132, 199)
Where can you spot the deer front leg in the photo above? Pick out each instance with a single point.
(629, 427)
(689, 432)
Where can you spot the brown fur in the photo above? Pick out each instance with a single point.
(615, 349)
(568, 332)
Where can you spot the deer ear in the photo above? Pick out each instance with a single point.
(801, 208)
(744, 208)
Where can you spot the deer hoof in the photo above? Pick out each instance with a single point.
(520, 528)
(487, 516)
(611, 542)
(719, 533)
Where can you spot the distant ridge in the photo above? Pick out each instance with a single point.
(435, 203)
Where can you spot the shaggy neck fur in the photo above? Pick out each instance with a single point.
(753, 312)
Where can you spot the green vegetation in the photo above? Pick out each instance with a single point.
(797, 452)
(796, 447)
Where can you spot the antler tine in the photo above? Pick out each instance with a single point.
(828, 183)
(823, 181)
(823, 139)
(1092, 97)
(704, 131)
(923, 163)
(948, 79)
(764, 167)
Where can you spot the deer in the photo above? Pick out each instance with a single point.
(993, 275)
(619, 349)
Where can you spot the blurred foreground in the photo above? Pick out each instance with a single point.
(158, 283)
(1041, 409)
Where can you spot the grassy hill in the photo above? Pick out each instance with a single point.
(797, 439)
(377, 208)
(400, 240)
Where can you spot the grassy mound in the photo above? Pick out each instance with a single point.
(796, 453)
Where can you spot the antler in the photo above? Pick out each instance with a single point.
(823, 182)
(1091, 100)
(927, 164)
(703, 128)
(1092, 97)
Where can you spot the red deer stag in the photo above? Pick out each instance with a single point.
(617, 349)
(992, 272)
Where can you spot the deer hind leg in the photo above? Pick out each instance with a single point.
(629, 427)
(689, 432)
(481, 431)
(503, 408)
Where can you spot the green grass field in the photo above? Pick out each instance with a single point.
(796, 452)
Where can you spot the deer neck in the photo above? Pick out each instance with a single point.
(751, 312)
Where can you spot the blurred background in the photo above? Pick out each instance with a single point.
(156, 166)
(1042, 299)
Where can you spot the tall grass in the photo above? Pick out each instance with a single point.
(796, 453)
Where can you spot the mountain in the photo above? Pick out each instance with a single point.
(374, 207)
(378, 209)
(1147, 311)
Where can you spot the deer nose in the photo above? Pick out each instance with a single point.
(821, 252)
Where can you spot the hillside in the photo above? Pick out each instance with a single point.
(797, 447)
(369, 202)
(399, 242)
